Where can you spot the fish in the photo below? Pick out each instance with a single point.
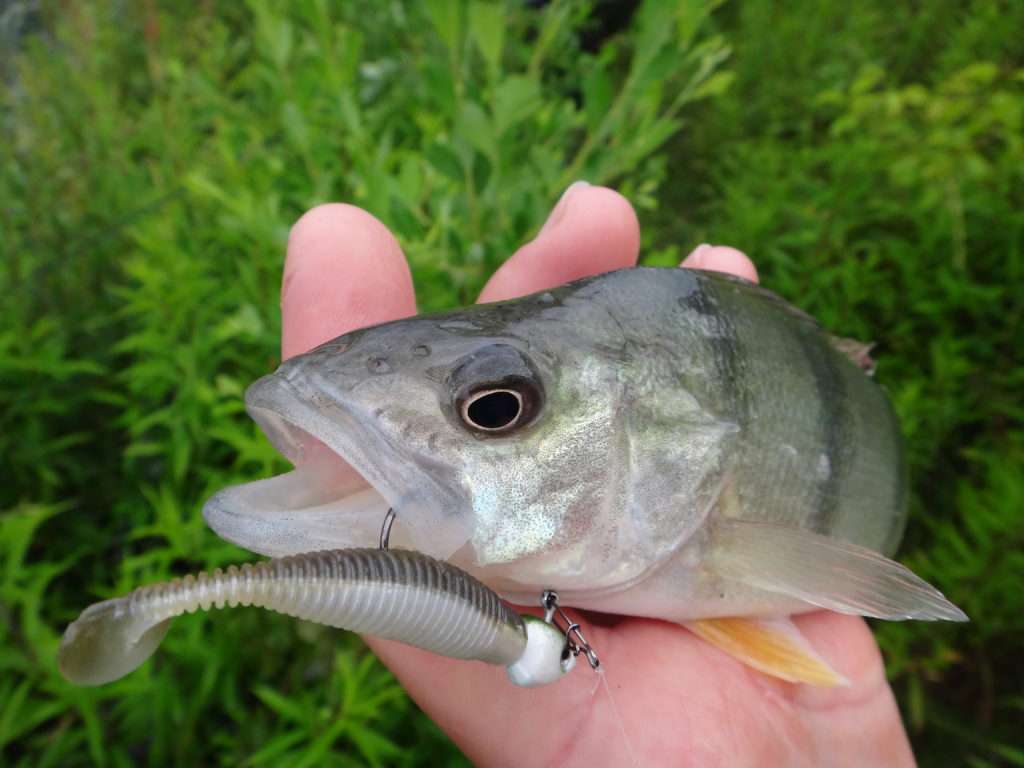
(673, 444)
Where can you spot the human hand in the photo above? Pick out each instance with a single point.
(677, 700)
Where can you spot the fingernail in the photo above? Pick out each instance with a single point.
(697, 255)
(558, 212)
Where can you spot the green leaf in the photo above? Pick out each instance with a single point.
(655, 27)
(282, 705)
(440, 84)
(515, 100)
(445, 161)
(474, 124)
(715, 85)
(19, 714)
(487, 27)
(295, 125)
(690, 16)
(373, 746)
(273, 750)
(444, 15)
(597, 94)
(17, 529)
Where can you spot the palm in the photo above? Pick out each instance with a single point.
(674, 699)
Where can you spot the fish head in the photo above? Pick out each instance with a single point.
(496, 434)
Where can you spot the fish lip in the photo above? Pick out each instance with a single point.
(285, 415)
(302, 414)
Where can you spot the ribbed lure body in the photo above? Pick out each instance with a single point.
(394, 594)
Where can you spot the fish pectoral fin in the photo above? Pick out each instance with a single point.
(825, 572)
(773, 646)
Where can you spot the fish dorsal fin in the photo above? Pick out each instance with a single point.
(825, 572)
(773, 646)
(859, 352)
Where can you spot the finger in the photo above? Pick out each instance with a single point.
(497, 723)
(841, 716)
(344, 270)
(591, 230)
(721, 258)
(477, 706)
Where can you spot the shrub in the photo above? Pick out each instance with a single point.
(158, 154)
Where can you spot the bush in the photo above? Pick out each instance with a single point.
(158, 155)
(876, 175)
(868, 156)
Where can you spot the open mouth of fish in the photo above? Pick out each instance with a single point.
(321, 523)
(340, 491)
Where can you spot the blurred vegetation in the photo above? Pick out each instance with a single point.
(869, 156)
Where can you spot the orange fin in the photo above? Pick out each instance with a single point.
(773, 646)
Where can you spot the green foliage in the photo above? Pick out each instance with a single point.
(156, 155)
(869, 156)
(871, 160)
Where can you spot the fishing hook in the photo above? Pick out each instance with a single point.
(575, 642)
(385, 529)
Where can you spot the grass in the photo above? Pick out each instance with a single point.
(869, 157)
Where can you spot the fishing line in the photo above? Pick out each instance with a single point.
(576, 644)
(618, 715)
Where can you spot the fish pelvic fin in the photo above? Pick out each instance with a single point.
(773, 646)
(825, 572)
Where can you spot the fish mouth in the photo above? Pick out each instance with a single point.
(335, 498)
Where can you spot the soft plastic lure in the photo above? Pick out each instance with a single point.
(395, 594)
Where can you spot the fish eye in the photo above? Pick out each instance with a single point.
(499, 408)
(494, 391)
(493, 409)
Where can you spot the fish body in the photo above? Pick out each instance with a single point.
(667, 443)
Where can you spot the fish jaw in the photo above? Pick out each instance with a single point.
(345, 479)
